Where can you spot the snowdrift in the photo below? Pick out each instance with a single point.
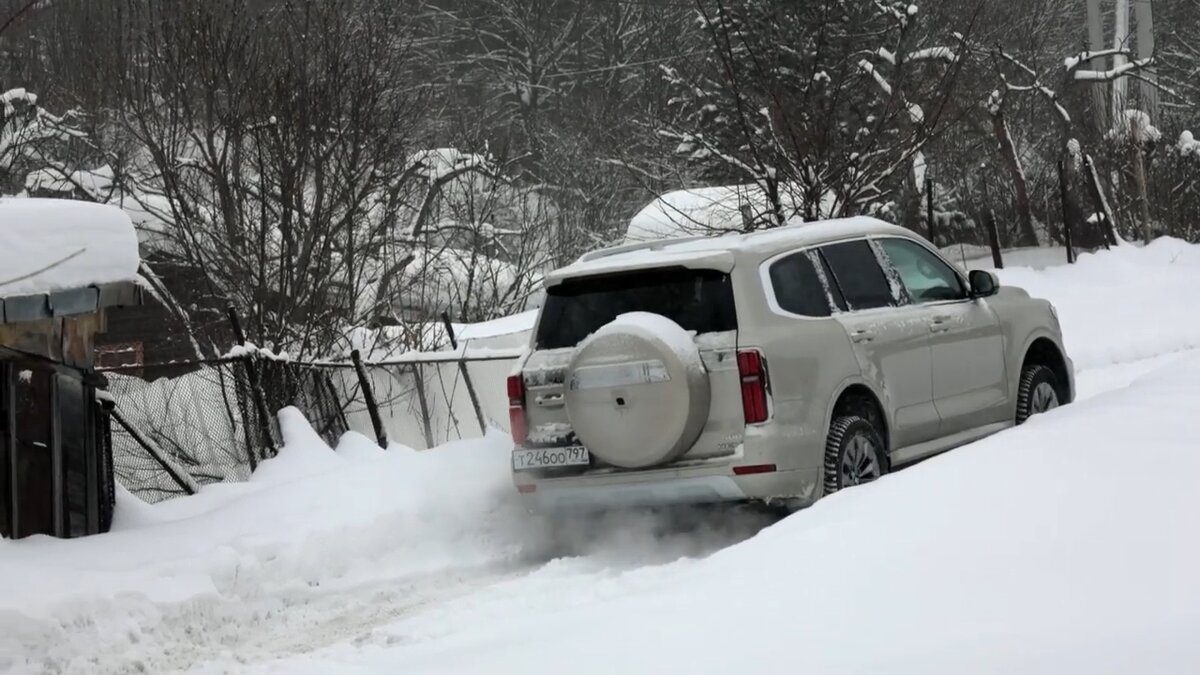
(1122, 305)
(309, 518)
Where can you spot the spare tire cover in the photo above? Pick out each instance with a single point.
(637, 392)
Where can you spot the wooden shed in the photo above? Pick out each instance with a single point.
(62, 264)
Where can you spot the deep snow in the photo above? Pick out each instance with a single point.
(1061, 546)
(1066, 545)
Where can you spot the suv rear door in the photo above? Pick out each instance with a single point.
(890, 338)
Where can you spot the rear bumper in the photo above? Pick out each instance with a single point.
(684, 485)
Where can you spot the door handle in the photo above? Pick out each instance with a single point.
(938, 324)
(862, 336)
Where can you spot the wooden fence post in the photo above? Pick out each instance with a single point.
(1066, 209)
(929, 209)
(421, 400)
(462, 367)
(369, 396)
(256, 392)
(994, 239)
(989, 217)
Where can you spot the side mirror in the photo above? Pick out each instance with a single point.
(983, 283)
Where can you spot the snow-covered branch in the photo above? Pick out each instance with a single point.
(1119, 70)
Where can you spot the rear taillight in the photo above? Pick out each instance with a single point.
(753, 372)
(516, 408)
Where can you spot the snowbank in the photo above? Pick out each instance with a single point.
(1122, 305)
(53, 244)
(1056, 547)
(310, 518)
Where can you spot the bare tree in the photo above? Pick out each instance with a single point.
(821, 105)
(263, 137)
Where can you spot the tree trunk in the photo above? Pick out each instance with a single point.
(1071, 211)
(1008, 152)
(910, 201)
(1109, 227)
(1139, 178)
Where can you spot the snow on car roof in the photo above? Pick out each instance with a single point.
(719, 252)
(57, 244)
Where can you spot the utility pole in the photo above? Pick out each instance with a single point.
(1095, 30)
(1141, 11)
(1120, 85)
(1144, 16)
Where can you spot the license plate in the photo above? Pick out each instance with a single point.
(540, 458)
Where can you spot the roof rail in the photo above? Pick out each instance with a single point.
(639, 246)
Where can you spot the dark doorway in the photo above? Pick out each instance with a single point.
(55, 466)
(35, 452)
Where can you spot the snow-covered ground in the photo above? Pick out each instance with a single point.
(1065, 545)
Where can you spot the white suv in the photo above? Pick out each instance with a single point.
(779, 365)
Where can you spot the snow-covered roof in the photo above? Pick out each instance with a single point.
(706, 211)
(58, 244)
(149, 212)
(718, 252)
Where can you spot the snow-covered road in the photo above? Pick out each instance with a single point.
(1057, 546)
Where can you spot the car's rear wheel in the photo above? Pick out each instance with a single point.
(1037, 392)
(854, 453)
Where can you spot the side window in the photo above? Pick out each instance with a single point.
(857, 273)
(798, 286)
(925, 276)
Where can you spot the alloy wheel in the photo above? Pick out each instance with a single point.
(860, 462)
(1044, 398)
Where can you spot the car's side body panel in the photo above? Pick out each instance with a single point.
(1024, 320)
(970, 381)
(894, 354)
(806, 357)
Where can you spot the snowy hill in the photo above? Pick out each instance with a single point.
(1064, 545)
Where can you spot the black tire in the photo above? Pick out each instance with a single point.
(841, 441)
(1037, 382)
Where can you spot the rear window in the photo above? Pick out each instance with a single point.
(858, 275)
(798, 286)
(698, 300)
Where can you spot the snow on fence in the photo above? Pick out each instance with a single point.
(181, 425)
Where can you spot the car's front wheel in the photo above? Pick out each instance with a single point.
(854, 453)
(1037, 391)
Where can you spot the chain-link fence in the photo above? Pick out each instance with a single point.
(426, 403)
(183, 425)
(180, 426)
